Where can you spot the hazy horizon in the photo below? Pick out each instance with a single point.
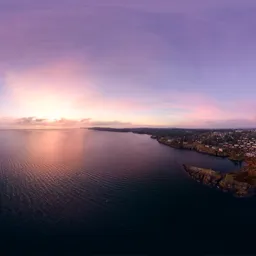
(48, 127)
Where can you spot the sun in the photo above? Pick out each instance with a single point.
(50, 119)
(53, 119)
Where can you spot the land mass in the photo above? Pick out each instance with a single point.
(240, 184)
(231, 143)
(237, 145)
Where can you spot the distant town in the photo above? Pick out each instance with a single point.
(236, 144)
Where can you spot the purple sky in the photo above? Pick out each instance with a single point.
(175, 63)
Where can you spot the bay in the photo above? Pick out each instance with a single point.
(81, 190)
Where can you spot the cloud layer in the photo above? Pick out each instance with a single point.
(43, 123)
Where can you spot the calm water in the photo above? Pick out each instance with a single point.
(82, 190)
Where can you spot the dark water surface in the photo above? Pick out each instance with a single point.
(79, 190)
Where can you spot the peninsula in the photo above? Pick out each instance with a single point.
(240, 184)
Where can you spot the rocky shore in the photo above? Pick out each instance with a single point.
(240, 184)
(200, 149)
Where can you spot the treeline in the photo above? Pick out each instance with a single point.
(172, 132)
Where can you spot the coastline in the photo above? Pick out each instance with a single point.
(240, 184)
(201, 151)
(199, 148)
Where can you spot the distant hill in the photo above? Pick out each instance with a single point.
(152, 131)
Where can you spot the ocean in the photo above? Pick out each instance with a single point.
(82, 191)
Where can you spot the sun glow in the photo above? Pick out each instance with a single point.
(53, 119)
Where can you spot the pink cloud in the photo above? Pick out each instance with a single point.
(201, 110)
(65, 90)
(48, 90)
(34, 122)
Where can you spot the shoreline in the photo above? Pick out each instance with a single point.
(241, 184)
(177, 146)
(198, 151)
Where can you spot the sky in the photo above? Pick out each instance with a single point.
(119, 63)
